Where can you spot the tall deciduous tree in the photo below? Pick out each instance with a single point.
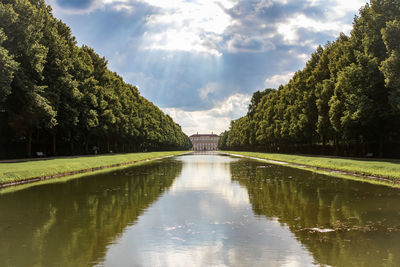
(8, 66)
(391, 66)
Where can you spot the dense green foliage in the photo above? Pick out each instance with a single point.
(346, 101)
(59, 98)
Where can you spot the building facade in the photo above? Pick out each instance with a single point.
(204, 142)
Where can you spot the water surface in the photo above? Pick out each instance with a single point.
(200, 210)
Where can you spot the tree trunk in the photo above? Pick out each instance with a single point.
(381, 144)
(37, 134)
(54, 144)
(71, 143)
(108, 144)
(29, 144)
(87, 144)
(336, 145)
(364, 149)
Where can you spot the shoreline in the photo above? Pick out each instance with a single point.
(89, 170)
(352, 175)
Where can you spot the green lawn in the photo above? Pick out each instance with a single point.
(11, 172)
(384, 168)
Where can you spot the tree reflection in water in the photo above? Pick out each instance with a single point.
(341, 222)
(201, 210)
(72, 224)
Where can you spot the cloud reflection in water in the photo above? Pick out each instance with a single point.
(206, 219)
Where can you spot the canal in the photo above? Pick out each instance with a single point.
(201, 210)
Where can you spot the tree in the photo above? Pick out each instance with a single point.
(27, 106)
(256, 98)
(391, 66)
(8, 66)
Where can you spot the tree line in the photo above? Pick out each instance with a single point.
(346, 100)
(59, 98)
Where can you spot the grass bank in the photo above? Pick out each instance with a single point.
(384, 170)
(12, 173)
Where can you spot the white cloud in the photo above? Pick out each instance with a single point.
(216, 180)
(214, 120)
(195, 26)
(289, 28)
(343, 7)
(179, 40)
(200, 25)
(206, 90)
(303, 57)
(252, 31)
(242, 43)
(123, 7)
(333, 23)
(278, 79)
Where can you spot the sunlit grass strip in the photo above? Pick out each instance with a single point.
(368, 167)
(64, 179)
(30, 171)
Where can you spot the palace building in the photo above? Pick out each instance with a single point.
(204, 142)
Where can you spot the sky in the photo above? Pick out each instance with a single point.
(200, 61)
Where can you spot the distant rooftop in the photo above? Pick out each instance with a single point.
(197, 135)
